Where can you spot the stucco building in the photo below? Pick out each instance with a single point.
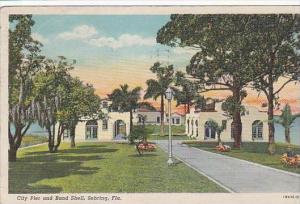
(153, 117)
(114, 126)
(254, 124)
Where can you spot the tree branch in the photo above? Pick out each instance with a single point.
(27, 127)
(283, 85)
(214, 89)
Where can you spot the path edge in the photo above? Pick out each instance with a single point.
(202, 173)
(253, 163)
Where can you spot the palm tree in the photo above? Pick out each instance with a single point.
(286, 119)
(157, 88)
(124, 99)
(219, 128)
(186, 94)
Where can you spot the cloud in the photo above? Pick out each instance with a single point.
(184, 51)
(124, 40)
(39, 37)
(79, 32)
(90, 35)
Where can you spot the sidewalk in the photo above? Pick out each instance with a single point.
(234, 174)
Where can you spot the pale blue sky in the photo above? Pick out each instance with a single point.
(49, 30)
(109, 49)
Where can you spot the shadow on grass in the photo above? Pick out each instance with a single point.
(79, 150)
(143, 155)
(23, 175)
(36, 166)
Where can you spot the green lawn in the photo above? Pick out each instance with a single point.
(178, 132)
(254, 152)
(29, 140)
(101, 167)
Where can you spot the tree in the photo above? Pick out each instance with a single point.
(125, 100)
(219, 129)
(51, 99)
(82, 102)
(157, 88)
(228, 106)
(223, 44)
(186, 93)
(138, 134)
(286, 119)
(276, 57)
(25, 62)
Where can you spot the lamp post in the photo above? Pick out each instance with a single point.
(169, 96)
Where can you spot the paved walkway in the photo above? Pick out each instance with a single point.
(234, 174)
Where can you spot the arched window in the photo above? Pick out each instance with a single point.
(192, 124)
(209, 131)
(257, 129)
(91, 129)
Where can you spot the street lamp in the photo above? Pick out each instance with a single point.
(169, 96)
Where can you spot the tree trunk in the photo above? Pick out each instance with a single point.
(162, 112)
(188, 107)
(12, 154)
(236, 119)
(50, 144)
(287, 135)
(72, 137)
(14, 143)
(59, 134)
(219, 139)
(130, 123)
(131, 140)
(271, 146)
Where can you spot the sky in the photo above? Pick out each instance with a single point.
(113, 50)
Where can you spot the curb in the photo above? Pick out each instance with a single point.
(253, 163)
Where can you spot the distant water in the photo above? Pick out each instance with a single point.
(295, 133)
(35, 129)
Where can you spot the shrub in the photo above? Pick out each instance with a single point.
(138, 133)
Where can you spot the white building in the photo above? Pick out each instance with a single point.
(151, 117)
(176, 118)
(254, 124)
(115, 126)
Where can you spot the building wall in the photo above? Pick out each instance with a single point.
(247, 121)
(174, 117)
(151, 117)
(103, 135)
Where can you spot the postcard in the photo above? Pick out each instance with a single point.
(150, 104)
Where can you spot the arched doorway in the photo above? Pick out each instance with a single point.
(119, 130)
(209, 131)
(91, 129)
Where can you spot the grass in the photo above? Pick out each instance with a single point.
(254, 152)
(101, 167)
(29, 140)
(178, 132)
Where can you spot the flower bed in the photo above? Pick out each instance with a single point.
(146, 147)
(291, 161)
(223, 148)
